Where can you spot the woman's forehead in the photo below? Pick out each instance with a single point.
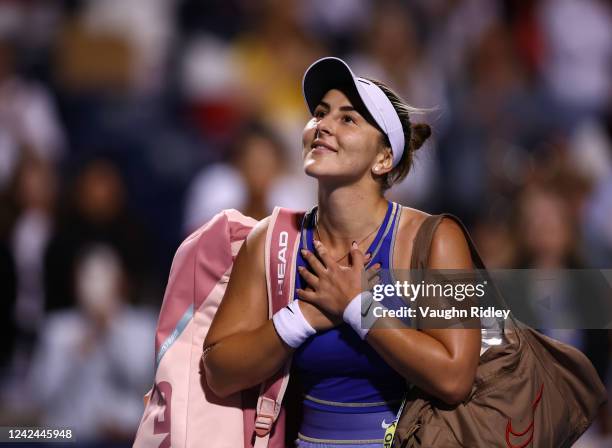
(340, 99)
(336, 98)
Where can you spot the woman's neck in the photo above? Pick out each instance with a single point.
(348, 213)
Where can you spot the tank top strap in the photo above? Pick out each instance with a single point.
(379, 248)
(308, 222)
(393, 236)
(383, 230)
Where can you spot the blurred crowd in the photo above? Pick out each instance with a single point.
(125, 125)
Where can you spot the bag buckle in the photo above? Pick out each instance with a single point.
(267, 412)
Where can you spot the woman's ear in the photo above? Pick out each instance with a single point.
(383, 162)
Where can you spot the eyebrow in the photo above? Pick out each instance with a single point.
(343, 108)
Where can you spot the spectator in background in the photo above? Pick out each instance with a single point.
(28, 118)
(33, 193)
(256, 160)
(94, 362)
(546, 229)
(260, 158)
(96, 212)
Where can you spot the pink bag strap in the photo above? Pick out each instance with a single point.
(282, 243)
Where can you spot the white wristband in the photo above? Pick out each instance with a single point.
(291, 325)
(358, 306)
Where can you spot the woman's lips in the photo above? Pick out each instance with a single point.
(322, 149)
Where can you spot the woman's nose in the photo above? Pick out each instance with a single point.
(323, 126)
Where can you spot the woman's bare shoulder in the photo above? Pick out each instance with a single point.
(411, 219)
(448, 245)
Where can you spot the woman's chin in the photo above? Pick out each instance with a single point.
(324, 177)
(327, 172)
(315, 170)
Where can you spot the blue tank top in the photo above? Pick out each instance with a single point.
(337, 370)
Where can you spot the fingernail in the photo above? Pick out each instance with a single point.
(303, 251)
(354, 244)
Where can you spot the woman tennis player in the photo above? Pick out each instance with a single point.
(358, 142)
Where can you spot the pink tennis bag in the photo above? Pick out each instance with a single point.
(180, 410)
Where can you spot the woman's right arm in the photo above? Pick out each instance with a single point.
(247, 350)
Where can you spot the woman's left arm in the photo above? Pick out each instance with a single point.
(442, 362)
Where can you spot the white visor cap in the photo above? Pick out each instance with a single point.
(329, 73)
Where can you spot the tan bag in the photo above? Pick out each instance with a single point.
(533, 391)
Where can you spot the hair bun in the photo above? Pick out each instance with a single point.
(419, 132)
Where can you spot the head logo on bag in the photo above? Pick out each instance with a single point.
(283, 239)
